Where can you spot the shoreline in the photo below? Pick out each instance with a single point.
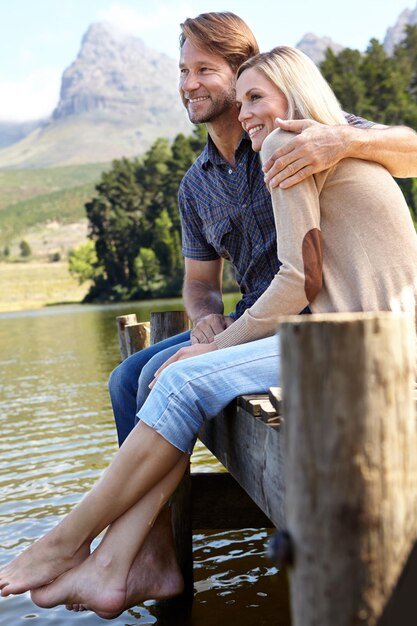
(34, 285)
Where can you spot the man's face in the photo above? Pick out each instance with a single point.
(207, 84)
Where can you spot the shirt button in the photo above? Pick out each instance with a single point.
(230, 171)
(244, 205)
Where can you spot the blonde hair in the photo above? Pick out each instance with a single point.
(308, 94)
(222, 33)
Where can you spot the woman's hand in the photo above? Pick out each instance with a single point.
(184, 353)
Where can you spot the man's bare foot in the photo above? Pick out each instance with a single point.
(94, 585)
(39, 564)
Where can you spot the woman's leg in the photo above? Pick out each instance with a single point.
(187, 393)
(126, 397)
(191, 391)
(141, 463)
(101, 583)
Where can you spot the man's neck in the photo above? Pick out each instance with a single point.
(226, 135)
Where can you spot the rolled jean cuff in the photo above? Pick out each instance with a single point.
(175, 423)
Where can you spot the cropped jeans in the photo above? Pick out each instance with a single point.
(192, 390)
(129, 382)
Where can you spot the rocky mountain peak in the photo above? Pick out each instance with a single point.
(315, 47)
(395, 34)
(116, 72)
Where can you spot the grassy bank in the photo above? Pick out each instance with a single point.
(35, 285)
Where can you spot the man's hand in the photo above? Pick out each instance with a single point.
(209, 326)
(315, 148)
(184, 353)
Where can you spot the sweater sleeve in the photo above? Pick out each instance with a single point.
(297, 220)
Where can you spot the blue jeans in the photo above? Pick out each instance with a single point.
(128, 383)
(193, 390)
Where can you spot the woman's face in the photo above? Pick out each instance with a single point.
(260, 102)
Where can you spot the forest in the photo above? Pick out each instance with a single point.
(134, 247)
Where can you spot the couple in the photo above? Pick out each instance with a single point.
(345, 241)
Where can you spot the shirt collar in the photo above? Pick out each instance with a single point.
(210, 154)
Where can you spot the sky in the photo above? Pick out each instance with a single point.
(40, 38)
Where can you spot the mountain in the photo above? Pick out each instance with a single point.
(116, 98)
(12, 132)
(395, 34)
(315, 47)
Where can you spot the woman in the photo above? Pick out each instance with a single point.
(346, 242)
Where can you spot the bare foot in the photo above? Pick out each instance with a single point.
(39, 564)
(95, 586)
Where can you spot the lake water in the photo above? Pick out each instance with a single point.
(58, 435)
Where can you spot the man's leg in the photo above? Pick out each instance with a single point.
(123, 384)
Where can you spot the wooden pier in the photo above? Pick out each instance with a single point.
(339, 475)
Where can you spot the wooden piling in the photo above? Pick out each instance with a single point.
(137, 337)
(350, 463)
(166, 324)
(122, 321)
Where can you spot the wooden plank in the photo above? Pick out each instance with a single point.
(275, 398)
(267, 411)
(251, 451)
(219, 502)
(252, 403)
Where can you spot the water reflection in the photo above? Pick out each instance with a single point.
(57, 436)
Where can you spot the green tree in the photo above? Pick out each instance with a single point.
(116, 221)
(83, 263)
(135, 209)
(342, 71)
(25, 250)
(148, 274)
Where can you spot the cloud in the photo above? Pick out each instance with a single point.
(32, 98)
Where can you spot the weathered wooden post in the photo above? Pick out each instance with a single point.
(350, 463)
(133, 335)
(122, 321)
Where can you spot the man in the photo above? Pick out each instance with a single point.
(226, 213)
(225, 206)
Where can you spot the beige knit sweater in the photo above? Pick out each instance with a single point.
(346, 242)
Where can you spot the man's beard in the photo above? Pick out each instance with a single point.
(216, 109)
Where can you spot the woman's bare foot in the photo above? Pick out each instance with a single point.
(39, 564)
(96, 586)
(93, 584)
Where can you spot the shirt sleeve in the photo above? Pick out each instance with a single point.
(359, 122)
(194, 244)
(297, 220)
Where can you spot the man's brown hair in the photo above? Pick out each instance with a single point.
(222, 33)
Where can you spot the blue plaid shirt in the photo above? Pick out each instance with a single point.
(227, 213)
